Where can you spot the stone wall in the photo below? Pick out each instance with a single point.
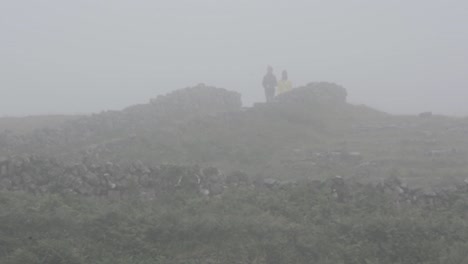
(40, 175)
(44, 175)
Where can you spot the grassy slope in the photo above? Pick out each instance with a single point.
(300, 224)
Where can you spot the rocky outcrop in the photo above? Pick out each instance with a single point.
(200, 100)
(176, 107)
(321, 92)
(161, 114)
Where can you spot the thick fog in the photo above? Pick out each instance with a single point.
(84, 56)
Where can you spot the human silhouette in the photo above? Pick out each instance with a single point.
(269, 84)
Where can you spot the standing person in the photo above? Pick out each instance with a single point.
(269, 84)
(284, 84)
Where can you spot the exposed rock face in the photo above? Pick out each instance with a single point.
(316, 92)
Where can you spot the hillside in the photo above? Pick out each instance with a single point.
(308, 133)
(192, 177)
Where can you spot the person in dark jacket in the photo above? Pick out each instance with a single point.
(269, 84)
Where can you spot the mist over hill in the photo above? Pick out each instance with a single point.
(117, 165)
(194, 177)
(310, 132)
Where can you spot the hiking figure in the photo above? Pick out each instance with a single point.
(269, 84)
(284, 85)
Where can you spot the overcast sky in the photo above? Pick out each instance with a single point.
(64, 56)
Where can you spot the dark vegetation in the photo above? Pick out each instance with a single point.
(101, 188)
(301, 223)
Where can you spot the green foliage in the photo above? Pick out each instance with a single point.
(296, 224)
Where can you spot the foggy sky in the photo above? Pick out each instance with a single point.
(63, 56)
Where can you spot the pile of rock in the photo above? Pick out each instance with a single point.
(321, 92)
(164, 112)
(200, 100)
(177, 106)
